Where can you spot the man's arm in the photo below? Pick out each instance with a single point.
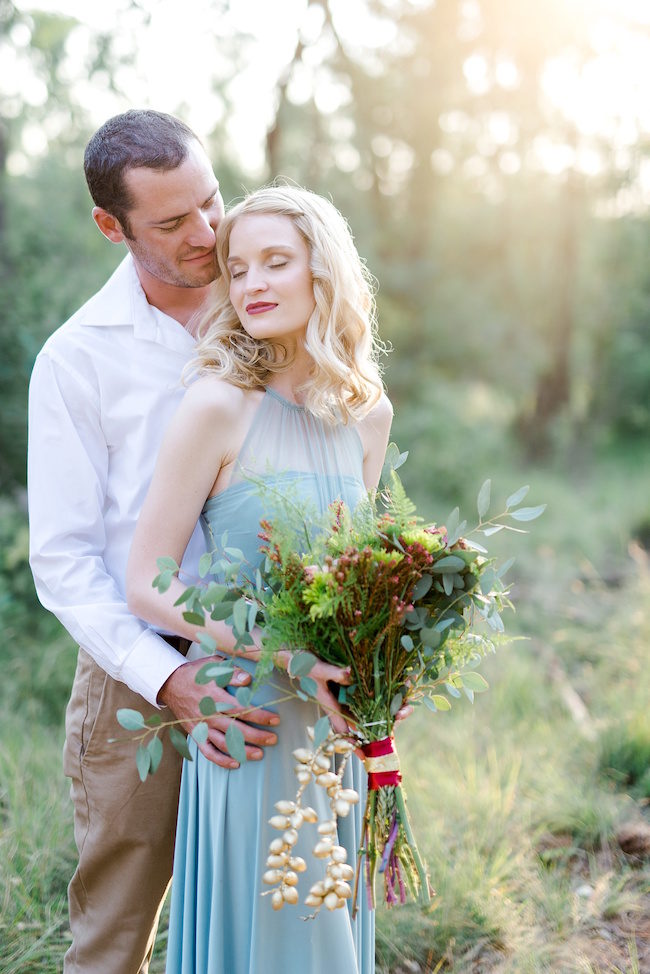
(67, 475)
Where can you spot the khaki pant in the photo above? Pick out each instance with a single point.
(124, 829)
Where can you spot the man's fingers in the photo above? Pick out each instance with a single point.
(240, 677)
(216, 750)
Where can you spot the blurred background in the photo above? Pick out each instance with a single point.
(493, 160)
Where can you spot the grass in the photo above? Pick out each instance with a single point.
(517, 801)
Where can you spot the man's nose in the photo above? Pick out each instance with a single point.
(202, 234)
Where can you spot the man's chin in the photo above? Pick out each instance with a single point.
(204, 279)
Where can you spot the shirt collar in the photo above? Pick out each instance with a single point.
(122, 301)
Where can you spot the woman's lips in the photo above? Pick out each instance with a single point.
(259, 307)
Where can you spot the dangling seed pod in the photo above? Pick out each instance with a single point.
(283, 867)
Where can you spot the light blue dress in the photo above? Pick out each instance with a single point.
(220, 923)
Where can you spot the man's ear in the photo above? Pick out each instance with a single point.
(108, 225)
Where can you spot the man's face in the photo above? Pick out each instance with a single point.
(174, 219)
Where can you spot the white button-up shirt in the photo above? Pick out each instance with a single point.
(103, 390)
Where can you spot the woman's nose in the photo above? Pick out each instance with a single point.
(255, 280)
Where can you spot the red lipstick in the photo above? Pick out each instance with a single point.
(259, 307)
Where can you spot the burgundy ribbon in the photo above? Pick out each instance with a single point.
(382, 764)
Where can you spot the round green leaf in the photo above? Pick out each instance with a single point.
(440, 702)
(130, 719)
(474, 681)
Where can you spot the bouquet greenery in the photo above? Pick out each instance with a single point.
(410, 608)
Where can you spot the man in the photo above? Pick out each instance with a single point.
(103, 389)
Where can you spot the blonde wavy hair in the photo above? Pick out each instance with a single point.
(341, 333)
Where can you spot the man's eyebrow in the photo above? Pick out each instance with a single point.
(174, 219)
(265, 250)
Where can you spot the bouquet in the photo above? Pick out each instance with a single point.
(410, 607)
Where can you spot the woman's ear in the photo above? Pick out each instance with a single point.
(109, 225)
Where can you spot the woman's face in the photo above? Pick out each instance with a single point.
(270, 278)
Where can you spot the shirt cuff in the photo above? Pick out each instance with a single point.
(149, 665)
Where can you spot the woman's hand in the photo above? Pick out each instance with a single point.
(323, 674)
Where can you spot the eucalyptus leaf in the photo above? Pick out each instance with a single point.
(205, 563)
(474, 681)
(221, 611)
(407, 643)
(194, 618)
(200, 732)
(494, 529)
(214, 593)
(243, 695)
(528, 513)
(166, 564)
(143, 761)
(235, 553)
(483, 499)
(236, 744)
(155, 749)
(444, 623)
(440, 702)
(206, 642)
(392, 461)
(130, 719)
(186, 595)
(421, 587)
(301, 663)
(452, 537)
(321, 730)
(518, 496)
(252, 616)
(155, 720)
(239, 615)
(221, 672)
(452, 521)
(448, 584)
(207, 707)
(179, 741)
(505, 567)
(495, 621)
(308, 686)
(164, 581)
(396, 703)
(450, 563)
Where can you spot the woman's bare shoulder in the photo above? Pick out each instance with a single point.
(380, 416)
(210, 397)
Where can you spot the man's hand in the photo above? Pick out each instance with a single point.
(182, 694)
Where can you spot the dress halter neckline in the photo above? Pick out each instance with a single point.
(285, 402)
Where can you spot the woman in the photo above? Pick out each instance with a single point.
(288, 390)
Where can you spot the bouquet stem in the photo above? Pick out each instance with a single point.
(424, 893)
